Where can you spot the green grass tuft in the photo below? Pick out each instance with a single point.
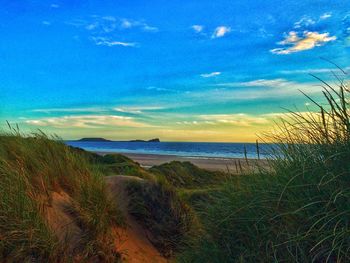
(187, 175)
(114, 164)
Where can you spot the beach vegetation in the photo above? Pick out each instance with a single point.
(158, 207)
(114, 163)
(187, 175)
(43, 183)
(299, 209)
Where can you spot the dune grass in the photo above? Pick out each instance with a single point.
(158, 207)
(299, 211)
(120, 164)
(24, 234)
(114, 163)
(31, 169)
(187, 175)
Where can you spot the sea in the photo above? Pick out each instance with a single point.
(183, 149)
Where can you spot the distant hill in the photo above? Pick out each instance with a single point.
(152, 140)
(94, 140)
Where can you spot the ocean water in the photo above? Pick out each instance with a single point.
(184, 149)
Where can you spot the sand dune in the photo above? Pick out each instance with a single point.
(132, 241)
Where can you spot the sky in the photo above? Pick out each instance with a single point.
(221, 70)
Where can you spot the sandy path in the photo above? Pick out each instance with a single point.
(132, 241)
(62, 222)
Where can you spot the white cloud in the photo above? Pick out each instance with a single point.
(138, 110)
(255, 90)
(307, 41)
(292, 37)
(128, 110)
(118, 43)
(55, 6)
(197, 28)
(221, 31)
(326, 15)
(92, 26)
(103, 28)
(262, 32)
(268, 83)
(86, 121)
(158, 88)
(109, 18)
(46, 23)
(305, 21)
(312, 71)
(237, 119)
(150, 28)
(260, 83)
(102, 41)
(106, 24)
(128, 23)
(212, 74)
(109, 27)
(94, 110)
(192, 122)
(87, 109)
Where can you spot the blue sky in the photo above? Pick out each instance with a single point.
(179, 70)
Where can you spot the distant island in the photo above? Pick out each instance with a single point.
(97, 139)
(93, 140)
(151, 140)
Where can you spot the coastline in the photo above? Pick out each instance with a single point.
(226, 164)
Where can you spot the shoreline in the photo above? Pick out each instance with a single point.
(226, 164)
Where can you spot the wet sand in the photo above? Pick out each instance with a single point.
(232, 165)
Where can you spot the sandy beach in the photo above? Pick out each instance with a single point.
(210, 163)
